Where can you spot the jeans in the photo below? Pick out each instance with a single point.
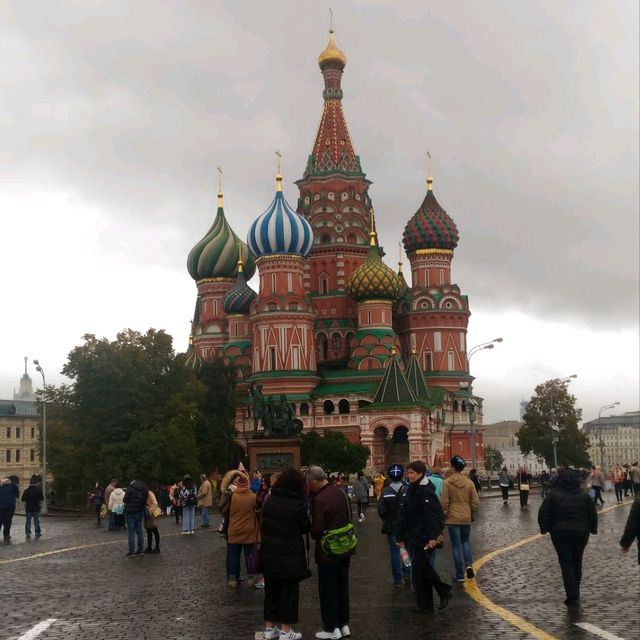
(189, 518)
(234, 550)
(112, 521)
(398, 570)
(598, 494)
(505, 492)
(98, 518)
(134, 529)
(205, 516)
(36, 522)
(570, 547)
(333, 588)
(619, 487)
(460, 547)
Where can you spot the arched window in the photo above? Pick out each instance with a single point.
(323, 346)
(335, 342)
(400, 435)
(328, 407)
(455, 405)
(343, 406)
(323, 284)
(304, 409)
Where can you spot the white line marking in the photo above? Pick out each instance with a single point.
(597, 631)
(38, 629)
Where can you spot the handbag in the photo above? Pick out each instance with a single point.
(104, 511)
(524, 486)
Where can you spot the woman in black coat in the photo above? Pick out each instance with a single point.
(420, 525)
(283, 553)
(569, 515)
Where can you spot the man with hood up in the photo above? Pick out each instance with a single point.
(459, 503)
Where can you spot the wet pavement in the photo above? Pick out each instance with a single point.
(92, 591)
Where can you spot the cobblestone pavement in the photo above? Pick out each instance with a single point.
(94, 592)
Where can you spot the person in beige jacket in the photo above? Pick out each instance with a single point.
(205, 500)
(459, 502)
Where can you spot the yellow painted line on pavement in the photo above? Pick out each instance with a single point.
(53, 552)
(474, 592)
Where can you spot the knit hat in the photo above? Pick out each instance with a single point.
(187, 477)
(458, 463)
(396, 471)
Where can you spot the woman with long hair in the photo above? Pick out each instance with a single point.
(282, 550)
(188, 499)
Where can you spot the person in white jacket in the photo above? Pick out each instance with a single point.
(116, 507)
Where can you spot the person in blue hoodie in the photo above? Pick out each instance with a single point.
(388, 507)
(8, 495)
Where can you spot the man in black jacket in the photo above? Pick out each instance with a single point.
(135, 502)
(32, 497)
(420, 524)
(569, 515)
(632, 528)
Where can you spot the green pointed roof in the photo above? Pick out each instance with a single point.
(416, 379)
(394, 387)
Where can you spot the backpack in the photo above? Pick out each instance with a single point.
(188, 497)
(339, 542)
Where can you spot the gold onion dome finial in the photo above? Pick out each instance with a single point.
(332, 56)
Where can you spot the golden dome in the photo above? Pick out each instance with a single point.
(332, 56)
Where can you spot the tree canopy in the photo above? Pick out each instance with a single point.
(133, 410)
(333, 452)
(493, 458)
(552, 403)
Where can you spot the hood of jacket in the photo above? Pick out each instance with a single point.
(458, 480)
(229, 477)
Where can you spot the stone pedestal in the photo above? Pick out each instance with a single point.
(273, 454)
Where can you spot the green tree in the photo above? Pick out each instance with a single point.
(552, 403)
(134, 410)
(493, 459)
(333, 452)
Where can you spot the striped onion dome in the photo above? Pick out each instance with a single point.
(280, 229)
(373, 279)
(216, 255)
(431, 227)
(239, 298)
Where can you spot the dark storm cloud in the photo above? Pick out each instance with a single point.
(530, 111)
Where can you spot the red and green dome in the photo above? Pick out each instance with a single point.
(216, 255)
(431, 227)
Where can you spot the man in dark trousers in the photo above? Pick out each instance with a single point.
(32, 497)
(330, 510)
(8, 494)
(135, 501)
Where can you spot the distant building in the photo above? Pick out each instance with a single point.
(20, 434)
(614, 439)
(503, 437)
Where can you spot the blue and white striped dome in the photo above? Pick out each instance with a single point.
(280, 230)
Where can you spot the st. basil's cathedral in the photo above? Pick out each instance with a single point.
(350, 343)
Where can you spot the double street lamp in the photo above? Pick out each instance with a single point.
(553, 418)
(600, 430)
(44, 510)
(472, 403)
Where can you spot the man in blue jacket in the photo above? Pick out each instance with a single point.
(8, 495)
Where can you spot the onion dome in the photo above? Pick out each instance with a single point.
(373, 279)
(280, 229)
(332, 57)
(239, 298)
(215, 256)
(431, 227)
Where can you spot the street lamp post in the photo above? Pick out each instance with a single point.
(553, 419)
(472, 412)
(44, 509)
(600, 430)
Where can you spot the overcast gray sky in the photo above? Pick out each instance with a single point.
(114, 115)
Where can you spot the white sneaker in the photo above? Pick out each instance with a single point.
(271, 633)
(290, 635)
(329, 635)
(345, 631)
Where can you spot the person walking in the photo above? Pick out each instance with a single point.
(524, 486)
(242, 529)
(632, 528)
(97, 499)
(504, 480)
(135, 501)
(8, 495)
(116, 507)
(205, 500)
(596, 482)
(388, 507)
(379, 481)
(150, 524)
(107, 494)
(282, 551)
(361, 493)
(436, 479)
(473, 476)
(617, 479)
(420, 524)
(569, 515)
(32, 496)
(459, 503)
(634, 472)
(544, 483)
(174, 496)
(330, 510)
(188, 501)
